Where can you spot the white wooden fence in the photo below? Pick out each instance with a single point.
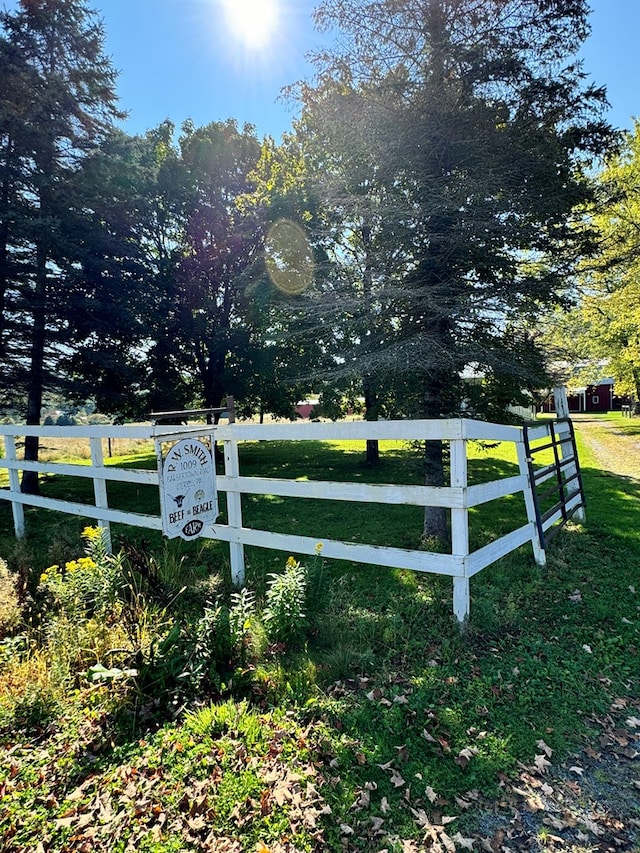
(458, 497)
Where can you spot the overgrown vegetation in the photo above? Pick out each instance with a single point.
(144, 703)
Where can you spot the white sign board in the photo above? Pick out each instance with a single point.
(188, 495)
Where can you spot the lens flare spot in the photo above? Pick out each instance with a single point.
(289, 257)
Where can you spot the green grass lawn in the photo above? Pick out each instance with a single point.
(374, 719)
(340, 460)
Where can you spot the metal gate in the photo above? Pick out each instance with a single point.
(563, 474)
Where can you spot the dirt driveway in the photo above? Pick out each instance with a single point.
(590, 803)
(616, 445)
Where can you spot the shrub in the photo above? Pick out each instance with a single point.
(84, 620)
(29, 695)
(66, 420)
(219, 643)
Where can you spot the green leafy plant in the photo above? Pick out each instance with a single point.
(9, 602)
(242, 617)
(284, 614)
(211, 647)
(87, 585)
(384, 681)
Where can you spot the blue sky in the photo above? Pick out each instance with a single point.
(180, 59)
(611, 56)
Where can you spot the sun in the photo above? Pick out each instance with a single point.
(252, 22)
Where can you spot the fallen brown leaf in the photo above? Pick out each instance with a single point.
(555, 822)
(396, 779)
(464, 843)
(465, 756)
(546, 749)
(422, 818)
(541, 763)
(376, 824)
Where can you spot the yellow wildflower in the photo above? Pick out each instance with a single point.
(71, 566)
(319, 548)
(92, 533)
(44, 577)
(292, 563)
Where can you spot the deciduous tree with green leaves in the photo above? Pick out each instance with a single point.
(604, 326)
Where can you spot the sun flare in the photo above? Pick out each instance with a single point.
(252, 22)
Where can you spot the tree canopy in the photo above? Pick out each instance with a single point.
(602, 332)
(426, 207)
(450, 140)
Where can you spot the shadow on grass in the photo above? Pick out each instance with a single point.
(547, 652)
(396, 526)
(396, 686)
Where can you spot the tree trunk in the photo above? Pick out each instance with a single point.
(4, 253)
(435, 518)
(371, 402)
(371, 399)
(30, 483)
(636, 382)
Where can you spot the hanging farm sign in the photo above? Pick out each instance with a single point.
(188, 495)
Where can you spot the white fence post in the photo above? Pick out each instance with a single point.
(562, 410)
(460, 531)
(234, 512)
(100, 489)
(560, 401)
(14, 486)
(539, 553)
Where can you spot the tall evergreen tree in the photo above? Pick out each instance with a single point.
(178, 236)
(48, 125)
(110, 297)
(476, 124)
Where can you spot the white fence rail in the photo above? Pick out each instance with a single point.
(458, 497)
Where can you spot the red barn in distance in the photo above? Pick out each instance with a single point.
(591, 398)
